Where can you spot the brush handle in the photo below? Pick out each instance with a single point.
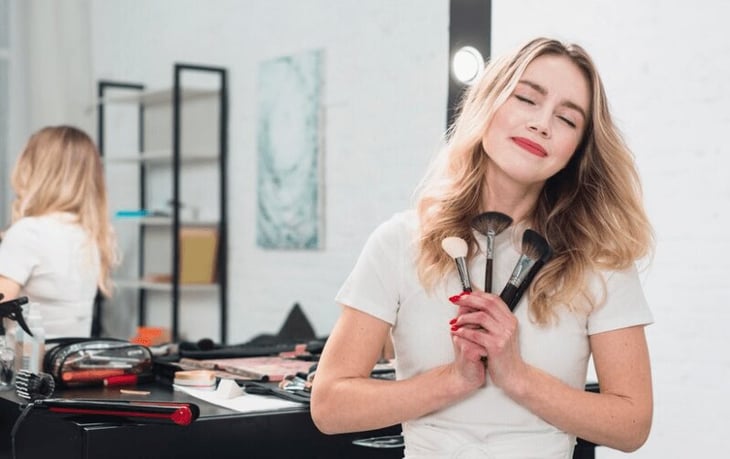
(488, 276)
(512, 294)
(508, 295)
(526, 283)
(463, 273)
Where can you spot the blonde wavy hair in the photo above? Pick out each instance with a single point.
(591, 212)
(60, 171)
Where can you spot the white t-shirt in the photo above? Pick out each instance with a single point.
(57, 266)
(488, 424)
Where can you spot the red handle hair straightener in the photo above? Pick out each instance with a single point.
(177, 413)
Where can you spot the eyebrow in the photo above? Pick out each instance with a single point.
(565, 103)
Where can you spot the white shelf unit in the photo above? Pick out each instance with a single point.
(160, 157)
(165, 159)
(164, 286)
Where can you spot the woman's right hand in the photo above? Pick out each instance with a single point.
(468, 362)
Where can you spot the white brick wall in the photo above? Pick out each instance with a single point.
(665, 65)
(385, 97)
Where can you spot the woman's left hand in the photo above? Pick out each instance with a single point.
(485, 320)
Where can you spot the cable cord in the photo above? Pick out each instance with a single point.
(34, 387)
(26, 410)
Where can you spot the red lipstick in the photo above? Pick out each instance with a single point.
(530, 146)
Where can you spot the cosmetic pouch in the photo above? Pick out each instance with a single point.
(77, 362)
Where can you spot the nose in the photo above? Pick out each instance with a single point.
(540, 123)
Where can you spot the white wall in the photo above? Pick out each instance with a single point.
(665, 65)
(385, 102)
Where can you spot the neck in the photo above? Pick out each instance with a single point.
(501, 194)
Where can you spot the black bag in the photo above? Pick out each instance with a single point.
(77, 362)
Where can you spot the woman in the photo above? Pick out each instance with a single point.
(60, 247)
(534, 140)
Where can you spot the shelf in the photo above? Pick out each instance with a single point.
(167, 221)
(163, 286)
(159, 97)
(159, 157)
(192, 162)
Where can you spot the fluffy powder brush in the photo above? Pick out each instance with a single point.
(457, 249)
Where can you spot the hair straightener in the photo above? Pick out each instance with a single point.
(177, 413)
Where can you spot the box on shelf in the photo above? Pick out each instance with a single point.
(198, 255)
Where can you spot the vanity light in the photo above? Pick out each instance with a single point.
(467, 64)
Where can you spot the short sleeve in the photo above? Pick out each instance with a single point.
(373, 285)
(19, 251)
(624, 305)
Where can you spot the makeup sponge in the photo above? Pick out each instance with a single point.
(227, 389)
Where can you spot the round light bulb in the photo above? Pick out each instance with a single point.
(467, 64)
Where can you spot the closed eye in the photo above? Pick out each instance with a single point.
(567, 121)
(524, 99)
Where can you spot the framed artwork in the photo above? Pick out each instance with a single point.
(289, 159)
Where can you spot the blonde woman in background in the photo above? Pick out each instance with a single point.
(60, 248)
(534, 140)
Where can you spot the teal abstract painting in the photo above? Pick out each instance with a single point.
(289, 209)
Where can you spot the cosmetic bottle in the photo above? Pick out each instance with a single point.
(7, 362)
(14, 339)
(34, 347)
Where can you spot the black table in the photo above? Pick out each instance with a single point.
(218, 433)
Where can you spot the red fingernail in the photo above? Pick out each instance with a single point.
(452, 321)
(457, 297)
(455, 327)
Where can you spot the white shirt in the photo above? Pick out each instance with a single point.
(57, 265)
(488, 424)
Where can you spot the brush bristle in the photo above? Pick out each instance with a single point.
(455, 246)
(494, 222)
(535, 246)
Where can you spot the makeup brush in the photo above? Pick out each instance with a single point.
(530, 276)
(457, 249)
(535, 252)
(490, 224)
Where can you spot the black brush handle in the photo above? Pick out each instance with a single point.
(488, 276)
(508, 295)
(526, 283)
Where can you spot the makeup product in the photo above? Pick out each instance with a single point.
(87, 376)
(12, 309)
(535, 253)
(531, 275)
(201, 379)
(457, 249)
(177, 413)
(490, 224)
(134, 392)
(75, 362)
(121, 380)
(228, 389)
(388, 441)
